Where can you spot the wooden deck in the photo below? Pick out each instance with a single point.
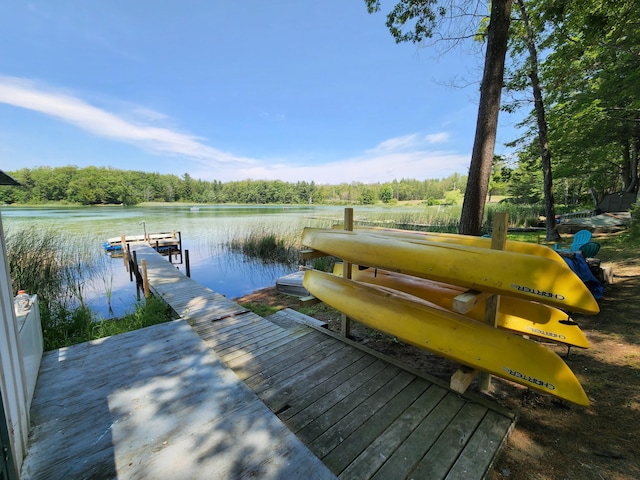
(155, 403)
(363, 415)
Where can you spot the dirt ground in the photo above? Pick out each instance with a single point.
(552, 439)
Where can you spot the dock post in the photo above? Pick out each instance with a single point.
(136, 273)
(134, 265)
(129, 263)
(123, 247)
(145, 279)
(498, 242)
(345, 324)
(187, 265)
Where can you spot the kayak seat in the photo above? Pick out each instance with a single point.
(579, 239)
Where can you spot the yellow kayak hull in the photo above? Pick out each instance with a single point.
(449, 335)
(496, 271)
(468, 240)
(528, 318)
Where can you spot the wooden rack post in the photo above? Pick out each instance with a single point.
(464, 302)
(346, 271)
(498, 242)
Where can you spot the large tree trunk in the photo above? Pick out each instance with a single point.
(487, 124)
(552, 234)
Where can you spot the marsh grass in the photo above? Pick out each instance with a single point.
(446, 219)
(57, 267)
(267, 245)
(439, 218)
(281, 243)
(49, 263)
(520, 216)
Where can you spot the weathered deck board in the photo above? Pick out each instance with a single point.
(155, 403)
(363, 415)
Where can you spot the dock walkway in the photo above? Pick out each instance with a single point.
(364, 415)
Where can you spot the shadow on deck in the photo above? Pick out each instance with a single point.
(155, 403)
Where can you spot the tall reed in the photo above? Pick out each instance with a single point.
(49, 263)
(57, 267)
(268, 246)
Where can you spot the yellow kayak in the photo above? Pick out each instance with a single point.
(496, 271)
(528, 318)
(468, 240)
(449, 335)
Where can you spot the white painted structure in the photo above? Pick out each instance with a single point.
(20, 354)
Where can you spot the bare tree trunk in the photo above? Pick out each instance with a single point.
(552, 234)
(487, 124)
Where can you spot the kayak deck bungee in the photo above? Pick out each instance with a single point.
(468, 240)
(496, 271)
(517, 315)
(449, 335)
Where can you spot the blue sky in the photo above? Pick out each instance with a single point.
(231, 89)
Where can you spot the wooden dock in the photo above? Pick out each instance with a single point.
(364, 415)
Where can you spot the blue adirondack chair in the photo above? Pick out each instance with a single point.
(579, 239)
(590, 249)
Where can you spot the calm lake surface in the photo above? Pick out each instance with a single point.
(204, 232)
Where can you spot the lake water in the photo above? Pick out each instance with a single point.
(204, 232)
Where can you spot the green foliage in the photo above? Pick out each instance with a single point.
(411, 21)
(454, 197)
(324, 264)
(634, 228)
(62, 327)
(367, 197)
(386, 194)
(591, 77)
(95, 186)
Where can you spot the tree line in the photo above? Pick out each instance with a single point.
(104, 186)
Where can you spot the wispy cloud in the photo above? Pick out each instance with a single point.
(441, 137)
(396, 158)
(404, 142)
(71, 109)
(405, 156)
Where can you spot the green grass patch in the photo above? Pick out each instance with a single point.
(260, 309)
(62, 327)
